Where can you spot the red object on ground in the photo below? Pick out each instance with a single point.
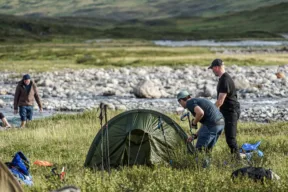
(62, 174)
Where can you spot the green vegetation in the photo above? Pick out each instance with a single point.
(248, 24)
(65, 140)
(57, 56)
(129, 9)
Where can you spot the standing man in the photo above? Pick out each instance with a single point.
(26, 92)
(228, 104)
(208, 115)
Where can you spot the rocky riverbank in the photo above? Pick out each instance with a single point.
(261, 93)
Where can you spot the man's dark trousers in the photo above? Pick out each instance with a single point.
(231, 117)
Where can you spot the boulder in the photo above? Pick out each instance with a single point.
(147, 89)
(241, 82)
(108, 92)
(2, 103)
(209, 91)
(45, 83)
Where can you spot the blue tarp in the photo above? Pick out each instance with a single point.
(248, 149)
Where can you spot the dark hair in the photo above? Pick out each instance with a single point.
(184, 99)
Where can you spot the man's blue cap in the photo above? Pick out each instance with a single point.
(25, 77)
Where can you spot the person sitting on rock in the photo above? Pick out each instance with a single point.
(26, 92)
(5, 123)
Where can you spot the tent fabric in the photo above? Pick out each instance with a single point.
(8, 182)
(135, 137)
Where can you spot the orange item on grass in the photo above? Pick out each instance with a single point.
(43, 163)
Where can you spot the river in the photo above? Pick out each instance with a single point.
(213, 43)
(167, 105)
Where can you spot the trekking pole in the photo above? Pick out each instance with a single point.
(102, 137)
(193, 141)
(190, 126)
(192, 135)
(189, 122)
(160, 126)
(107, 139)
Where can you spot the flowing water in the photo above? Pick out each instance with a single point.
(167, 105)
(213, 43)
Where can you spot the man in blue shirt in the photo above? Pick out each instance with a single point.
(208, 115)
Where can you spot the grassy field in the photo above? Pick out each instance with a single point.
(57, 56)
(65, 140)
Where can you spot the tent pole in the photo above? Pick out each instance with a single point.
(107, 139)
(160, 125)
(139, 148)
(129, 148)
(102, 140)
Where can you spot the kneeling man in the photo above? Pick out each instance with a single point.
(208, 115)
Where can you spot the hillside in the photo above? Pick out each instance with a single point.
(265, 22)
(129, 9)
(246, 24)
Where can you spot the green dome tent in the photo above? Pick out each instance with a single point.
(136, 137)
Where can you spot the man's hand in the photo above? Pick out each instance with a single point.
(191, 138)
(15, 111)
(193, 126)
(41, 110)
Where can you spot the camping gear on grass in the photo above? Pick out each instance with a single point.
(255, 173)
(54, 173)
(68, 189)
(19, 167)
(247, 150)
(136, 137)
(8, 183)
(43, 163)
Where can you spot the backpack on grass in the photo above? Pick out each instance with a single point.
(19, 167)
(255, 173)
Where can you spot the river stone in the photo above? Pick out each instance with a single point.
(108, 93)
(3, 92)
(146, 89)
(48, 83)
(241, 82)
(209, 91)
(2, 103)
(121, 107)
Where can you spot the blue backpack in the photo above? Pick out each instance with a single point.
(19, 167)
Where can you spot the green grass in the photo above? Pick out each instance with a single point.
(65, 140)
(121, 53)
